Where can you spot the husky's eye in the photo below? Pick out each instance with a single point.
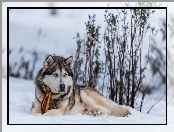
(55, 74)
(64, 75)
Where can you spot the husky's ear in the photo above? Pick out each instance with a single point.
(49, 60)
(69, 62)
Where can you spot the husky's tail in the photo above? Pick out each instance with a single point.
(120, 111)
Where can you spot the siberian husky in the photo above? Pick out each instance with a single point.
(55, 93)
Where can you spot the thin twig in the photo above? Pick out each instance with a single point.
(142, 100)
(156, 102)
(170, 100)
(148, 100)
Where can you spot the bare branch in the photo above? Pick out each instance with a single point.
(156, 102)
(170, 100)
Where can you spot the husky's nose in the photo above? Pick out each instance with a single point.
(62, 87)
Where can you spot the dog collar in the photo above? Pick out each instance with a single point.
(47, 98)
(43, 87)
(46, 89)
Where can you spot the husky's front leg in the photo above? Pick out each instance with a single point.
(36, 107)
(62, 109)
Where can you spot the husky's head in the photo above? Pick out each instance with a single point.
(57, 74)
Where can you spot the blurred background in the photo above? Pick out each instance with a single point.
(36, 33)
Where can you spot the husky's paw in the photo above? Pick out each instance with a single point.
(32, 111)
(53, 112)
(94, 113)
(97, 113)
(90, 112)
(49, 113)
